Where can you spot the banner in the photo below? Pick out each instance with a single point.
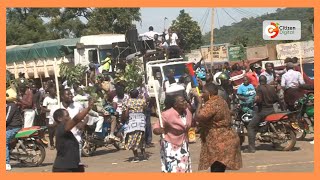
(236, 53)
(304, 49)
(220, 52)
(137, 122)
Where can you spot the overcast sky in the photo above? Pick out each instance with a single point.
(223, 16)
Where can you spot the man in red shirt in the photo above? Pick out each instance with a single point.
(26, 104)
(236, 77)
(253, 75)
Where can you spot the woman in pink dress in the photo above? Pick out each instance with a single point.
(175, 155)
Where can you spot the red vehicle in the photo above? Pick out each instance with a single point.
(275, 129)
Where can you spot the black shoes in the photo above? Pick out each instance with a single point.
(249, 150)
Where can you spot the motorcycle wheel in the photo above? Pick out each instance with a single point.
(290, 141)
(300, 134)
(87, 149)
(34, 149)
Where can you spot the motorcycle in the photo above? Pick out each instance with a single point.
(90, 142)
(28, 146)
(275, 128)
(304, 122)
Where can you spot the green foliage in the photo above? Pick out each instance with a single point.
(248, 32)
(132, 75)
(189, 30)
(30, 25)
(112, 20)
(73, 74)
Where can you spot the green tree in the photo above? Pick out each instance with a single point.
(189, 31)
(25, 25)
(30, 25)
(67, 24)
(112, 20)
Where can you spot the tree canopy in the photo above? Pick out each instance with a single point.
(188, 31)
(30, 25)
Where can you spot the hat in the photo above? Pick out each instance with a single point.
(108, 54)
(11, 95)
(257, 66)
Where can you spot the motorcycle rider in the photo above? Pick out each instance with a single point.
(246, 94)
(266, 97)
(221, 79)
(13, 121)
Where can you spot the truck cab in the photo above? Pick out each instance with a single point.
(156, 74)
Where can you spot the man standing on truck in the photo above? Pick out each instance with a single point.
(150, 34)
(172, 41)
(105, 64)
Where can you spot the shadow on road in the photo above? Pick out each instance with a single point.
(21, 165)
(269, 147)
(102, 152)
(129, 159)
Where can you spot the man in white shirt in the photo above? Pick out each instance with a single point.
(149, 35)
(269, 74)
(290, 82)
(48, 104)
(173, 50)
(80, 97)
(73, 109)
(172, 38)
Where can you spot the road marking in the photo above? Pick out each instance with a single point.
(261, 169)
(282, 164)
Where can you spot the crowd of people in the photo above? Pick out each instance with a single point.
(184, 107)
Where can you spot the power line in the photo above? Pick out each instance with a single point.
(218, 18)
(229, 15)
(205, 21)
(241, 13)
(248, 12)
(203, 17)
(244, 13)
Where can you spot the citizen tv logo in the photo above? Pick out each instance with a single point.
(281, 30)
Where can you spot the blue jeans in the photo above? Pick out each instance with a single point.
(9, 135)
(148, 132)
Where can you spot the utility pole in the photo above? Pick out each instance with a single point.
(211, 42)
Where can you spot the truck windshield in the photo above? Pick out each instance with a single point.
(179, 69)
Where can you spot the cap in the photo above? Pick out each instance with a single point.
(11, 95)
(257, 66)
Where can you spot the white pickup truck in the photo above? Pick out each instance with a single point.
(162, 67)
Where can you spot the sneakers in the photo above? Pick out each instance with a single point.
(144, 157)
(135, 160)
(8, 167)
(311, 142)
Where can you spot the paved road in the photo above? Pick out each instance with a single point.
(301, 159)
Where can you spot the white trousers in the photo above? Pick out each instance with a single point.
(29, 115)
(99, 120)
